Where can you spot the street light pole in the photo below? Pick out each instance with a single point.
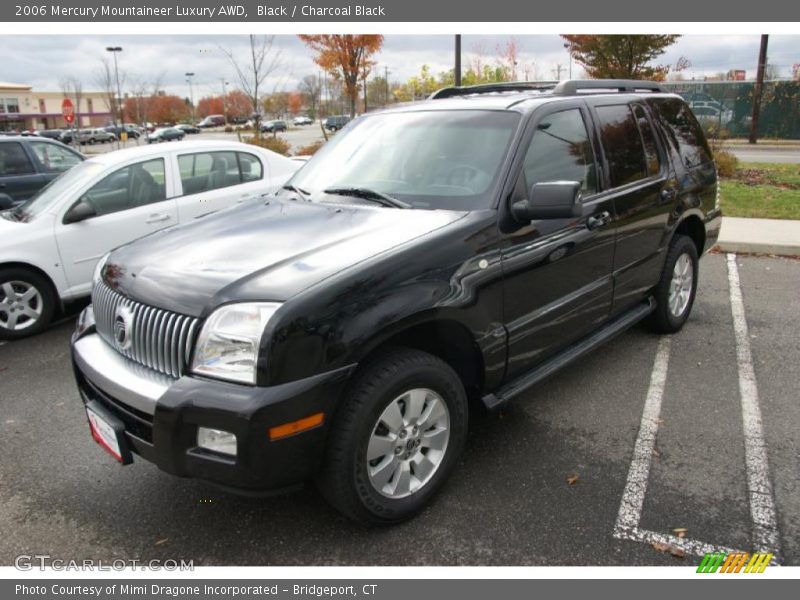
(114, 50)
(191, 94)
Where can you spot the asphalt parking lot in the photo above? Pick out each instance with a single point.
(647, 449)
(296, 136)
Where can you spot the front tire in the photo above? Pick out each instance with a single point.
(677, 288)
(27, 303)
(396, 438)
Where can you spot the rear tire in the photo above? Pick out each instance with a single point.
(27, 303)
(396, 438)
(677, 288)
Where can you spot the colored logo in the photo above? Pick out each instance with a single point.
(735, 562)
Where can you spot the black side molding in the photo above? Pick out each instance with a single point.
(568, 355)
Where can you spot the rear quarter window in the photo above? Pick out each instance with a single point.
(682, 130)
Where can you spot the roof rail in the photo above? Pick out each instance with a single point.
(493, 88)
(575, 86)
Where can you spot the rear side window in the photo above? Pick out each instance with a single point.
(55, 158)
(683, 130)
(622, 143)
(13, 160)
(652, 161)
(206, 171)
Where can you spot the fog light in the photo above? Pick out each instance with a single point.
(223, 442)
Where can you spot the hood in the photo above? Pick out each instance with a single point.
(260, 251)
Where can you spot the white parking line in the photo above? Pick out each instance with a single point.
(630, 511)
(762, 505)
(765, 536)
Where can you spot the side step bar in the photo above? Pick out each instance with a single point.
(563, 358)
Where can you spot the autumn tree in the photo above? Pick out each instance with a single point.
(620, 56)
(311, 86)
(262, 60)
(238, 105)
(295, 104)
(168, 109)
(209, 105)
(347, 57)
(508, 58)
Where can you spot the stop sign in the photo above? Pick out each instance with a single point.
(67, 110)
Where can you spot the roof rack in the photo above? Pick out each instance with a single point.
(575, 86)
(493, 88)
(570, 87)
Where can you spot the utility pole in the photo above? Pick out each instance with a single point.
(457, 70)
(114, 50)
(191, 93)
(557, 71)
(762, 64)
(224, 109)
(386, 81)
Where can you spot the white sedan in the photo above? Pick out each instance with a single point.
(49, 245)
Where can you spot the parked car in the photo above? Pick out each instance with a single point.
(30, 163)
(84, 136)
(303, 121)
(131, 131)
(50, 244)
(273, 126)
(165, 134)
(52, 134)
(335, 123)
(102, 136)
(338, 331)
(186, 128)
(212, 121)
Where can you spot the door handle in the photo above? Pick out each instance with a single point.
(668, 194)
(157, 218)
(598, 220)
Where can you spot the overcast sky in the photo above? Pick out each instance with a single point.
(41, 60)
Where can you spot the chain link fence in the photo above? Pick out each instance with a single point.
(725, 108)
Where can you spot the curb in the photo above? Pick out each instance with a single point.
(739, 247)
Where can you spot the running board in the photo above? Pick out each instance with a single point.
(563, 358)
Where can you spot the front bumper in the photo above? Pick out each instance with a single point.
(161, 417)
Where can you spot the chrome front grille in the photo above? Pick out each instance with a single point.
(159, 339)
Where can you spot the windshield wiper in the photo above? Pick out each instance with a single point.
(293, 188)
(368, 194)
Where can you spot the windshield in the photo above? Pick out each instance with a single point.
(54, 191)
(435, 159)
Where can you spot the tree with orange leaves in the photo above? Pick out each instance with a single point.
(347, 57)
(620, 56)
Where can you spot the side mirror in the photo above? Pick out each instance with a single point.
(80, 212)
(6, 202)
(550, 200)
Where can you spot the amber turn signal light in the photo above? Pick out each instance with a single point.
(287, 429)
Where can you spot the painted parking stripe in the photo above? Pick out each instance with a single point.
(762, 504)
(630, 510)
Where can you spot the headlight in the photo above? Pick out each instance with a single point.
(98, 269)
(227, 347)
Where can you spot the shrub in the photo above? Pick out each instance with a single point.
(228, 129)
(310, 149)
(727, 163)
(276, 144)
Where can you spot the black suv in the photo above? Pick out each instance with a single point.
(27, 164)
(436, 254)
(335, 123)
